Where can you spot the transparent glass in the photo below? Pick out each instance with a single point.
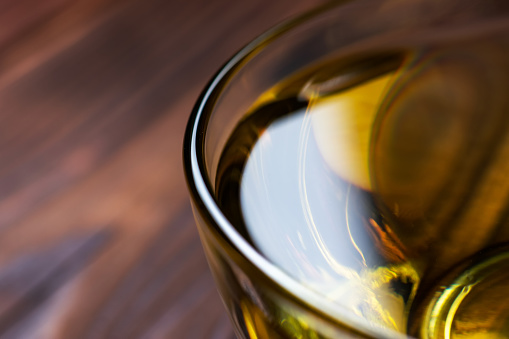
(424, 84)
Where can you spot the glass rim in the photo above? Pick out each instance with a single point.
(202, 194)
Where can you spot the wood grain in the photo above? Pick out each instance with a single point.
(97, 238)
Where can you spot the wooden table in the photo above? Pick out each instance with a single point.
(97, 238)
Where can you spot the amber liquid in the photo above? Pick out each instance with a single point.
(381, 182)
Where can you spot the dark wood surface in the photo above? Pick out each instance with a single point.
(97, 239)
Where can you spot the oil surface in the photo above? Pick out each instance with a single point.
(369, 179)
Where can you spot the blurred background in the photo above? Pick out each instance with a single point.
(97, 238)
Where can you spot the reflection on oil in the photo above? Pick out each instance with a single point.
(320, 228)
